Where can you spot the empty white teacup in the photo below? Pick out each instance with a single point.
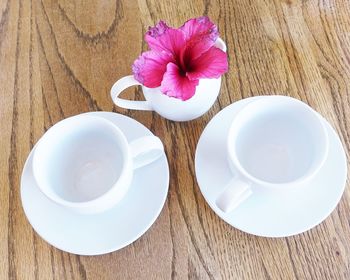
(85, 163)
(171, 108)
(274, 143)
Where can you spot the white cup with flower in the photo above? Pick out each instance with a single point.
(181, 73)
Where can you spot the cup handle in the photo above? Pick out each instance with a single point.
(123, 84)
(145, 150)
(235, 193)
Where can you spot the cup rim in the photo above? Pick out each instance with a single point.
(233, 157)
(89, 203)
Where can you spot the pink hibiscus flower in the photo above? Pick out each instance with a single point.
(180, 57)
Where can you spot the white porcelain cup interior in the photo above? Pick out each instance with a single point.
(85, 162)
(275, 142)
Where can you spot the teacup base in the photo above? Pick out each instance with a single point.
(267, 213)
(180, 111)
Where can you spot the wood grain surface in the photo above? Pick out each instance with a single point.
(60, 58)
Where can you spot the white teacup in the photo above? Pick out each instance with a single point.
(274, 143)
(169, 107)
(85, 163)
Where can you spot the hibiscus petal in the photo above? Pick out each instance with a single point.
(211, 64)
(200, 27)
(200, 34)
(158, 30)
(175, 84)
(163, 38)
(150, 67)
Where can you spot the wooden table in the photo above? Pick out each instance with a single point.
(60, 59)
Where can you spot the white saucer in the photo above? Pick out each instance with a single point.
(264, 213)
(108, 231)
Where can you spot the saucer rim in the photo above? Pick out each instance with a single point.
(28, 163)
(224, 216)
